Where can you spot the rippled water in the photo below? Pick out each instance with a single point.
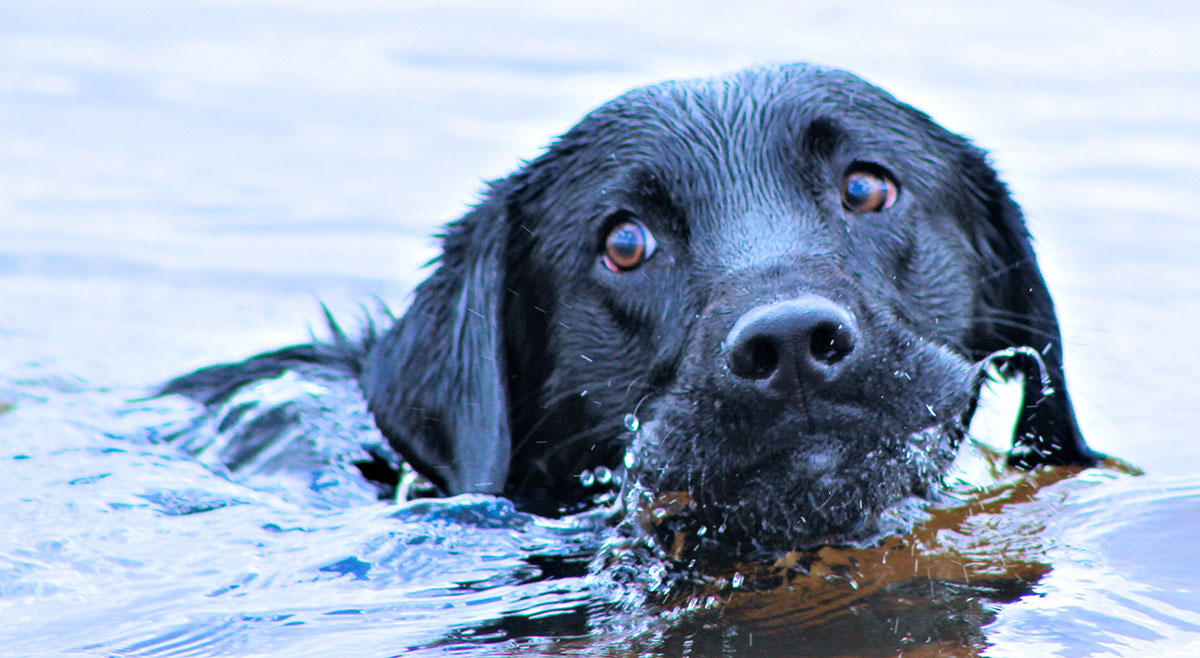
(180, 182)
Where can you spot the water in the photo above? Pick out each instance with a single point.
(180, 182)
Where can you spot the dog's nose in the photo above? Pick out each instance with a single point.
(789, 343)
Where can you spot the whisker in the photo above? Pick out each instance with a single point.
(1006, 269)
(1040, 332)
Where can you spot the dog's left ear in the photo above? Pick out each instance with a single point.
(1016, 311)
(436, 382)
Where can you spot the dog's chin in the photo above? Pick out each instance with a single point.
(824, 491)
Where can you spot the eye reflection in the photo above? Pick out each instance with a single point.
(868, 188)
(627, 246)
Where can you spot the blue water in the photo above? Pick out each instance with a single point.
(181, 182)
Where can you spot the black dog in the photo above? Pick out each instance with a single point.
(786, 275)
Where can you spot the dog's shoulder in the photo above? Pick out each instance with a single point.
(291, 421)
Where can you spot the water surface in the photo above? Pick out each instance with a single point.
(180, 182)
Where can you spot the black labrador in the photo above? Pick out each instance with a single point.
(785, 277)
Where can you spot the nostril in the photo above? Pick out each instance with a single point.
(830, 343)
(755, 357)
(764, 359)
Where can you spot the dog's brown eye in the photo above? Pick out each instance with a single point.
(868, 189)
(628, 245)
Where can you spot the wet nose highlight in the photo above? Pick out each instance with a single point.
(791, 342)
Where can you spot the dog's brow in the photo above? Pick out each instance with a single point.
(822, 137)
(648, 189)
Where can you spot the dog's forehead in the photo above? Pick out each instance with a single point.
(713, 118)
(753, 133)
(743, 157)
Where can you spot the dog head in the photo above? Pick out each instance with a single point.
(786, 275)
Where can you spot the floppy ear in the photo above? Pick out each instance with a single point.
(436, 381)
(1016, 311)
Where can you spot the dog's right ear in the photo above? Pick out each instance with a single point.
(1017, 312)
(436, 382)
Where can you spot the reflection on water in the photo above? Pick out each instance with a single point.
(187, 561)
(179, 181)
(936, 586)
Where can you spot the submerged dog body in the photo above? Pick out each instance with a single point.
(786, 275)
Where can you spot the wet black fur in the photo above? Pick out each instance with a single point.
(521, 354)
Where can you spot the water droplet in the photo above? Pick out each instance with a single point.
(632, 423)
(738, 579)
(603, 475)
(702, 531)
(587, 478)
(630, 460)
